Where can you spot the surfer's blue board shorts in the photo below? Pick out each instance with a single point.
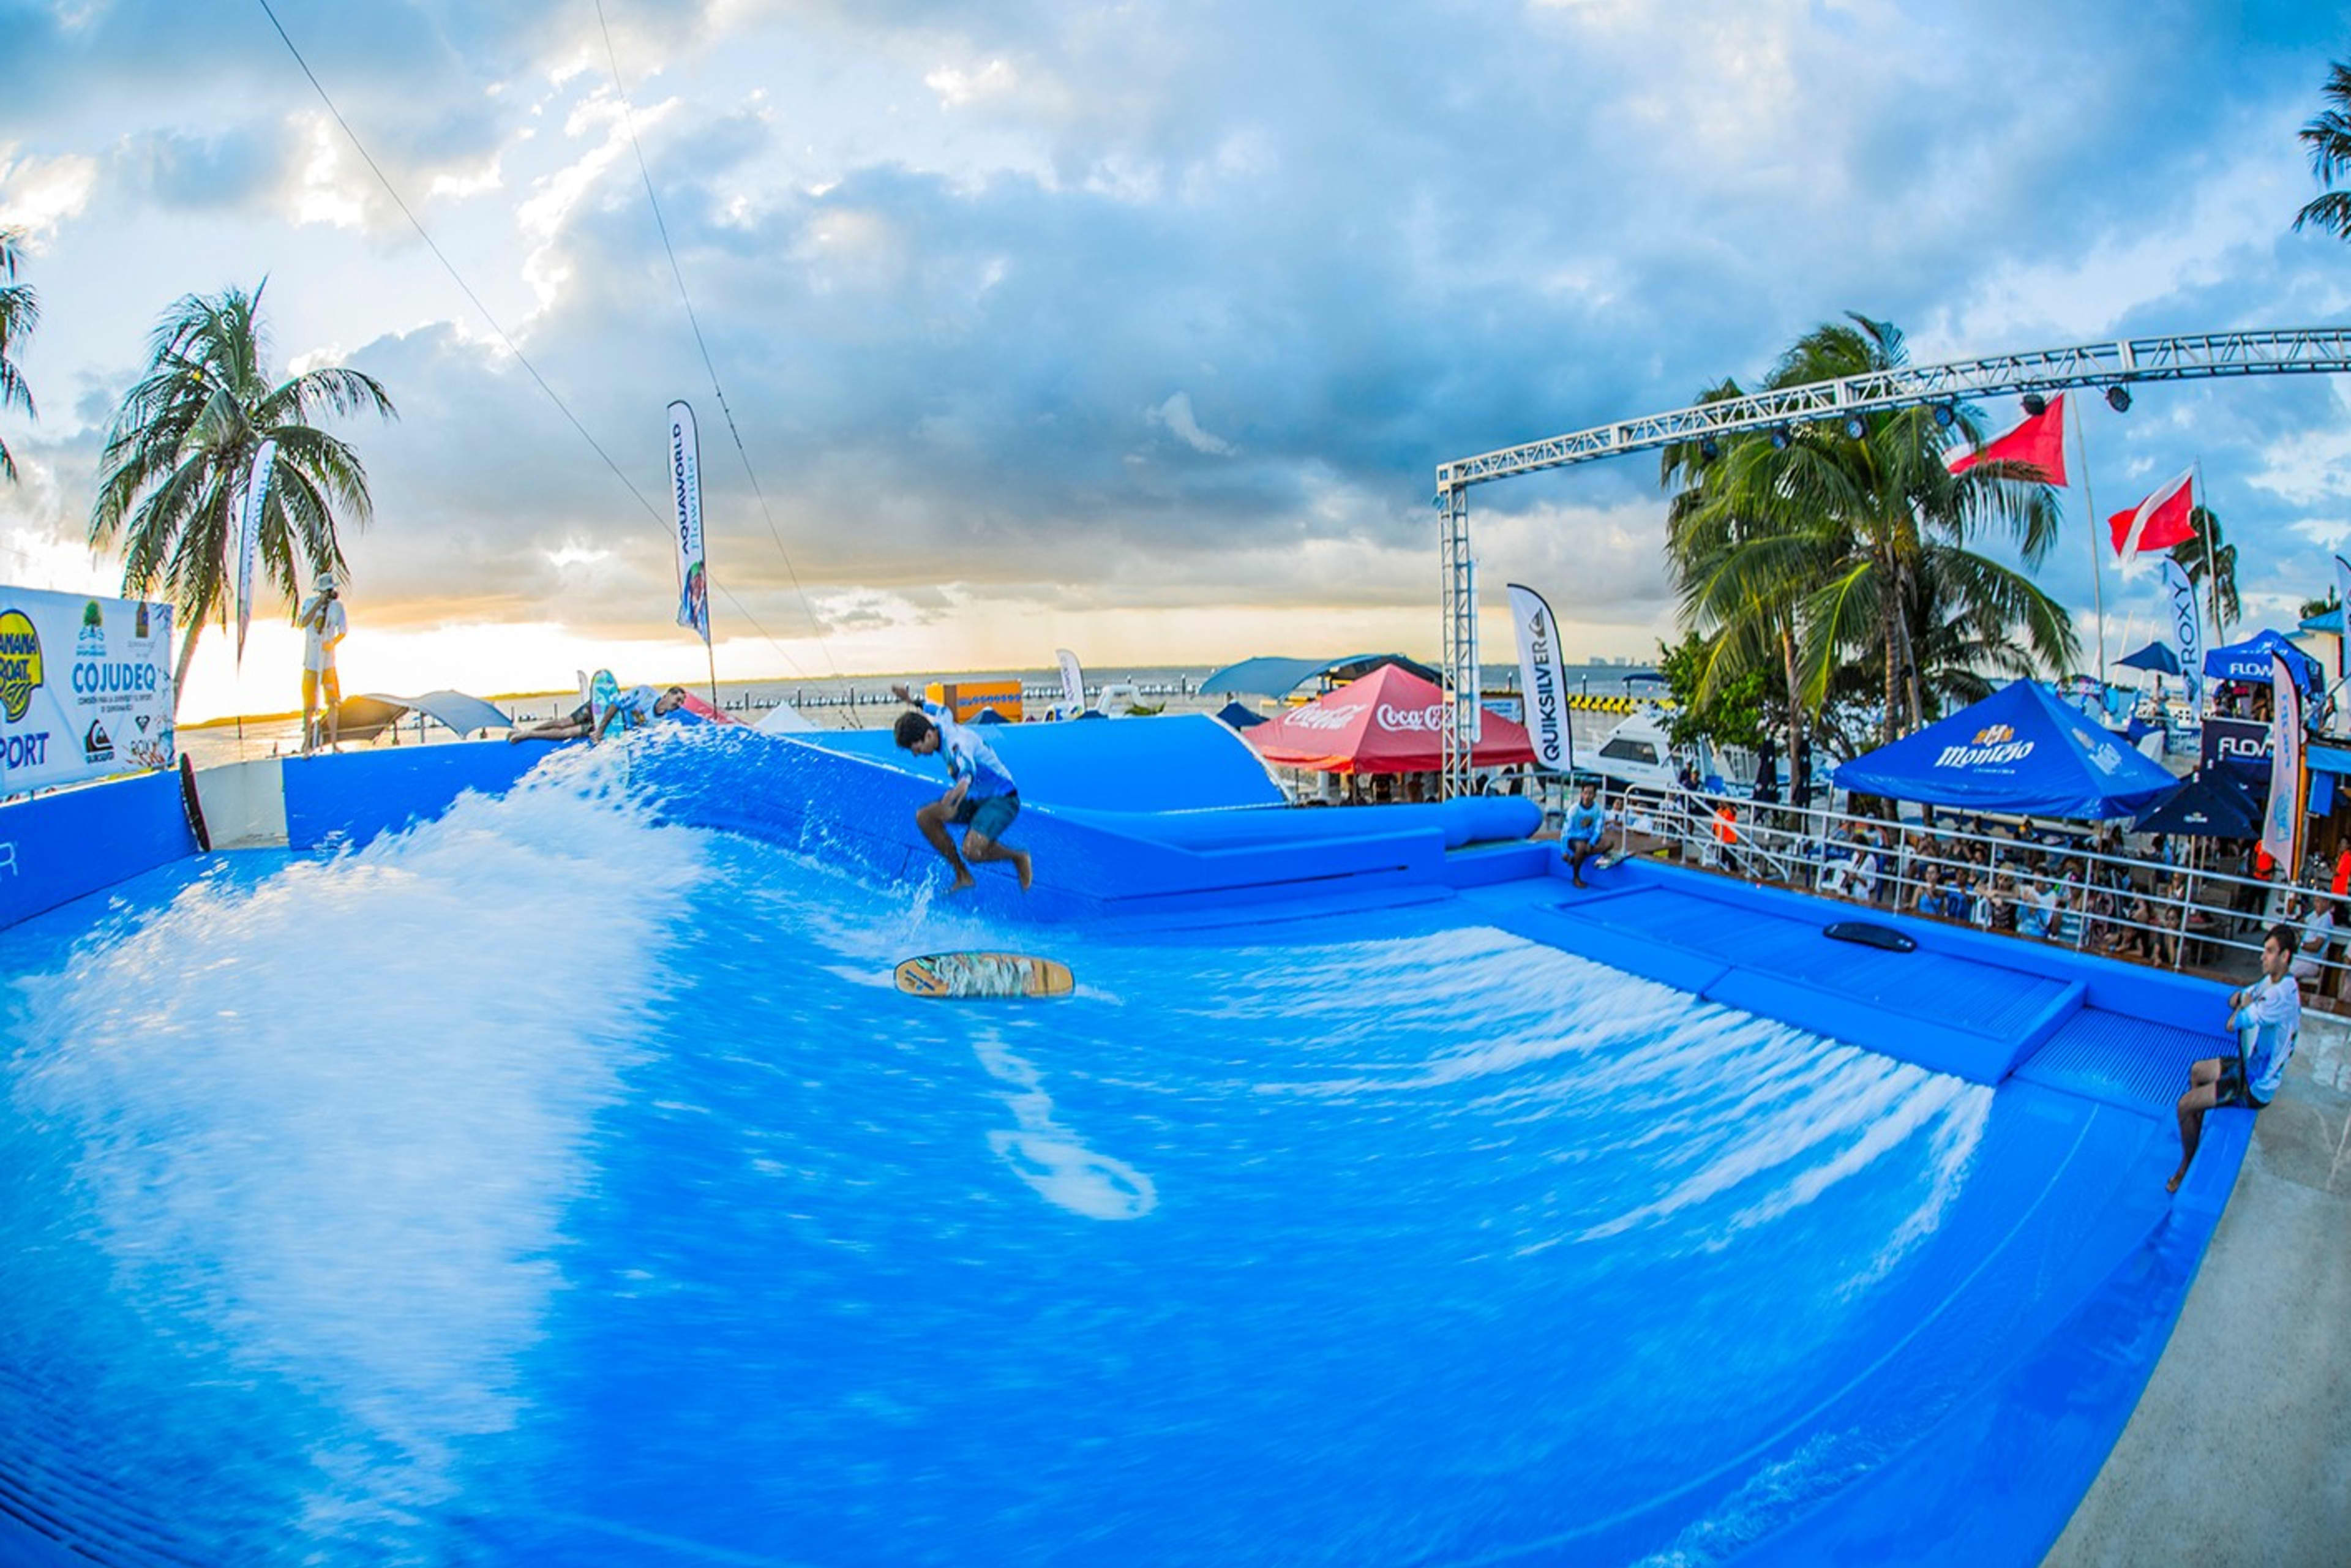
(990, 817)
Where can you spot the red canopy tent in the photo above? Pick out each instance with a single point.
(1388, 722)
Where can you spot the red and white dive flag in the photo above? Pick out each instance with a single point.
(2158, 522)
(2038, 443)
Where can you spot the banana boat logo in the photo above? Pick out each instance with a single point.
(20, 664)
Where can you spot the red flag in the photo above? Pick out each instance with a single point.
(2158, 522)
(2038, 443)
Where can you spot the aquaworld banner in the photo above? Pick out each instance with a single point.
(85, 689)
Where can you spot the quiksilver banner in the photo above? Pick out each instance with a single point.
(1073, 684)
(85, 689)
(2282, 821)
(248, 536)
(686, 492)
(1543, 677)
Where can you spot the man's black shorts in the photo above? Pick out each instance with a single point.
(988, 817)
(2230, 1088)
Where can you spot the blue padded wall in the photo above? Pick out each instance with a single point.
(55, 848)
(1180, 762)
(356, 795)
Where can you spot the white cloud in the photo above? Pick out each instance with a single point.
(38, 194)
(1176, 415)
(330, 188)
(958, 86)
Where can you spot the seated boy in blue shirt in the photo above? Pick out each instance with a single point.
(1579, 836)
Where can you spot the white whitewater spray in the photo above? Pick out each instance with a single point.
(328, 1127)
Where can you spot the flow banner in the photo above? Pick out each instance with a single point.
(2185, 626)
(2282, 820)
(1073, 684)
(248, 536)
(1542, 680)
(2343, 602)
(85, 689)
(685, 489)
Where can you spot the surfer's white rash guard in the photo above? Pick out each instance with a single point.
(968, 756)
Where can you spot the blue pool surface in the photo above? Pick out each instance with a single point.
(562, 1181)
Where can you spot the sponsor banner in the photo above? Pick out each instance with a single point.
(1996, 746)
(1542, 680)
(2184, 625)
(2239, 745)
(1073, 684)
(686, 492)
(85, 689)
(1386, 717)
(2281, 818)
(2343, 602)
(248, 536)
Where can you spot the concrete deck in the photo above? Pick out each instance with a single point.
(2240, 1451)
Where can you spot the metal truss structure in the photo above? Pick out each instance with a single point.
(2311, 350)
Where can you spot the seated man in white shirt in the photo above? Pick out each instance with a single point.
(2266, 1018)
(2317, 932)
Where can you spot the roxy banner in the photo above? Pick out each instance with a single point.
(85, 689)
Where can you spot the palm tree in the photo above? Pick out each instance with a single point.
(177, 456)
(20, 312)
(2219, 560)
(1828, 548)
(2329, 136)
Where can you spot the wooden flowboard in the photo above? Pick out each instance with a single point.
(961, 976)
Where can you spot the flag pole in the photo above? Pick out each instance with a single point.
(2090, 505)
(2211, 570)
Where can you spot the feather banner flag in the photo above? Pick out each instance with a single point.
(2282, 820)
(2158, 523)
(685, 490)
(2187, 628)
(1073, 684)
(2039, 444)
(2343, 604)
(1542, 679)
(248, 536)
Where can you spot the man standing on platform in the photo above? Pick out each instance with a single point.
(323, 624)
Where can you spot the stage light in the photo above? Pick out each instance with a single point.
(1855, 427)
(1947, 414)
(1782, 438)
(1708, 449)
(2118, 398)
(2035, 405)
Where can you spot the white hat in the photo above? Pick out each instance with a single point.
(327, 580)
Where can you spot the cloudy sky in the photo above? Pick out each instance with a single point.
(1138, 328)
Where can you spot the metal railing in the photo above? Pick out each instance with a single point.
(2079, 888)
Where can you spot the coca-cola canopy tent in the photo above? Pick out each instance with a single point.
(1391, 721)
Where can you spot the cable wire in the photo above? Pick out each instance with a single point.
(629, 123)
(516, 348)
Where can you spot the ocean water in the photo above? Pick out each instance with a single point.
(547, 1185)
